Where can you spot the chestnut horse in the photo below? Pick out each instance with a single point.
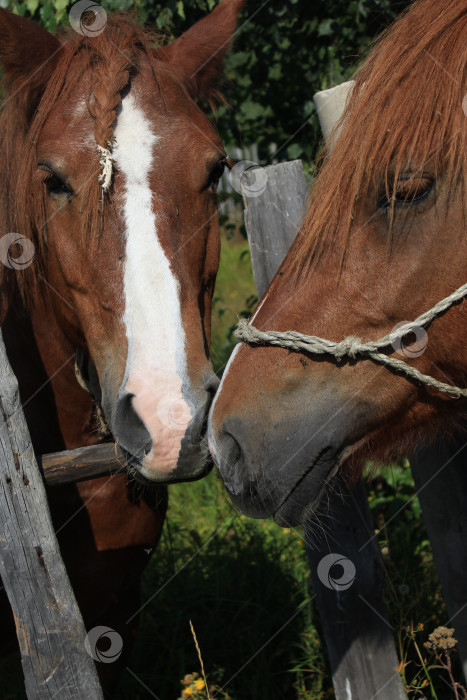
(108, 175)
(383, 241)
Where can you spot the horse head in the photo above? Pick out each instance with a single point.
(383, 241)
(112, 175)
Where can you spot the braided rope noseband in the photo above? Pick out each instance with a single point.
(356, 348)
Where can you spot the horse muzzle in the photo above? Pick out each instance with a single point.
(169, 444)
(279, 468)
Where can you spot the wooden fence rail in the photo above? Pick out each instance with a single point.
(82, 464)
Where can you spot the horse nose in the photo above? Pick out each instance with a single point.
(197, 429)
(211, 383)
(240, 470)
(128, 429)
(166, 439)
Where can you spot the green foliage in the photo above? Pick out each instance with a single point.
(245, 586)
(235, 293)
(413, 595)
(285, 51)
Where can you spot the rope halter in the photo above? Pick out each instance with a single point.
(355, 348)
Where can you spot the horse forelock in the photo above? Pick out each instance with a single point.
(408, 108)
(112, 58)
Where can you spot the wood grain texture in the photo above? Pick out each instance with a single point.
(49, 625)
(273, 218)
(81, 464)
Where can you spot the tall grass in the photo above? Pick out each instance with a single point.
(245, 586)
(240, 582)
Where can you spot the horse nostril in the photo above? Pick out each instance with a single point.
(199, 424)
(211, 384)
(234, 451)
(128, 428)
(230, 458)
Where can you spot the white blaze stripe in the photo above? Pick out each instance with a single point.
(156, 362)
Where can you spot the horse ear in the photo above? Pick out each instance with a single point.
(28, 56)
(197, 56)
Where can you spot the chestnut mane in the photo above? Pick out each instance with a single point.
(408, 106)
(113, 57)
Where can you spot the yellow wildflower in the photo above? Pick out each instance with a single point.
(199, 684)
(187, 692)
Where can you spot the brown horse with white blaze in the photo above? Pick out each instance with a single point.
(383, 241)
(109, 170)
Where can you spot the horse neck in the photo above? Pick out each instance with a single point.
(59, 412)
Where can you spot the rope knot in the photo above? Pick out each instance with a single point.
(349, 347)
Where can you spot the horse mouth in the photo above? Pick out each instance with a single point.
(304, 498)
(201, 467)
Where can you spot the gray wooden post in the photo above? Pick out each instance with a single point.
(440, 475)
(49, 625)
(355, 623)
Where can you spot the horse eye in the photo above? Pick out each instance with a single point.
(54, 183)
(407, 191)
(216, 174)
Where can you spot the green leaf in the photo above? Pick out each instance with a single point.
(294, 151)
(32, 5)
(326, 28)
(181, 9)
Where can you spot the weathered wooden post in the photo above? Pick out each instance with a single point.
(440, 474)
(49, 625)
(355, 623)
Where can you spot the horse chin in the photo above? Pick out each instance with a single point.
(303, 501)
